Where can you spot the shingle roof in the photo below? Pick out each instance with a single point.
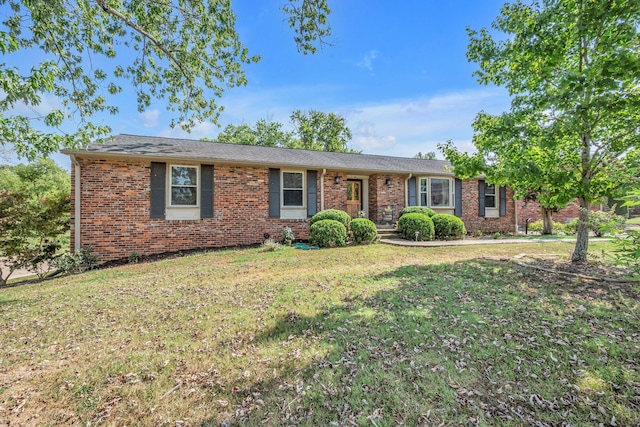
(214, 152)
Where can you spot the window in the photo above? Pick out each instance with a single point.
(424, 192)
(436, 192)
(184, 186)
(490, 196)
(440, 192)
(293, 189)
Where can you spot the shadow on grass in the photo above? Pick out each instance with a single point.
(471, 342)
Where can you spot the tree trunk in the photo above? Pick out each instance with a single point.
(547, 221)
(582, 240)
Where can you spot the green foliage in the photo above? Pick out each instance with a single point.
(34, 216)
(602, 222)
(264, 133)
(430, 155)
(448, 227)
(572, 69)
(335, 214)
(627, 251)
(364, 231)
(538, 226)
(77, 262)
(134, 257)
(328, 233)
(316, 130)
(412, 223)
(183, 53)
(571, 227)
(417, 209)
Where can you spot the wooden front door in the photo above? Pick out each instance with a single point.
(354, 197)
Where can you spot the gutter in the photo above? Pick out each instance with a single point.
(324, 172)
(77, 190)
(406, 190)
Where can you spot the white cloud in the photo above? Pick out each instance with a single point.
(400, 127)
(367, 60)
(366, 138)
(150, 118)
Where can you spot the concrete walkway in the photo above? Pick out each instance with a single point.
(467, 242)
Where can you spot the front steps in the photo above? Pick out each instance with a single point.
(387, 232)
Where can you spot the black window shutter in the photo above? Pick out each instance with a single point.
(481, 197)
(503, 201)
(206, 191)
(274, 193)
(158, 192)
(413, 192)
(458, 198)
(312, 193)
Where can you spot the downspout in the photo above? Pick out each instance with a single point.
(406, 190)
(77, 188)
(324, 172)
(515, 208)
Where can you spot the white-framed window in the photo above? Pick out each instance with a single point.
(292, 189)
(436, 192)
(183, 185)
(490, 196)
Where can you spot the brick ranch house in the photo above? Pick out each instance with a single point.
(153, 195)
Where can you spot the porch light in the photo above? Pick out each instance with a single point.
(336, 179)
(388, 180)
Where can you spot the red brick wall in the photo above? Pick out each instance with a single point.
(115, 212)
(382, 195)
(116, 202)
(532, 210)
(474, 223)
(335, 195)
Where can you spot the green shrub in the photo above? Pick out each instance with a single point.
(571, 227)
(364, 231)
(334, 214)
(537, 227)
(410, 223)
(77, 262)
(601, 222)
(417, 209)
(448, 227)
(328, 233)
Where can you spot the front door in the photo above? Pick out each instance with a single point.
(354, 197)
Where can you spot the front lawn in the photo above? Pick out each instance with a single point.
(376, 335)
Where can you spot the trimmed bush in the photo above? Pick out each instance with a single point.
(538, 226)
(328, 233)
(409, 223)
(571, 227)
(418, 209)
(364, 231)
(602, 222)
(448, 227)
(334, 214)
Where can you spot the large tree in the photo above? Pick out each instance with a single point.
(572, 68)
(266, 133)
(34, 216)
(313, 130)
(317, 130)
(80, 52)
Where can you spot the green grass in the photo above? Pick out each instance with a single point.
(376, 335)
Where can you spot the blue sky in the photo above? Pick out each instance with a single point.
(396, 71)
